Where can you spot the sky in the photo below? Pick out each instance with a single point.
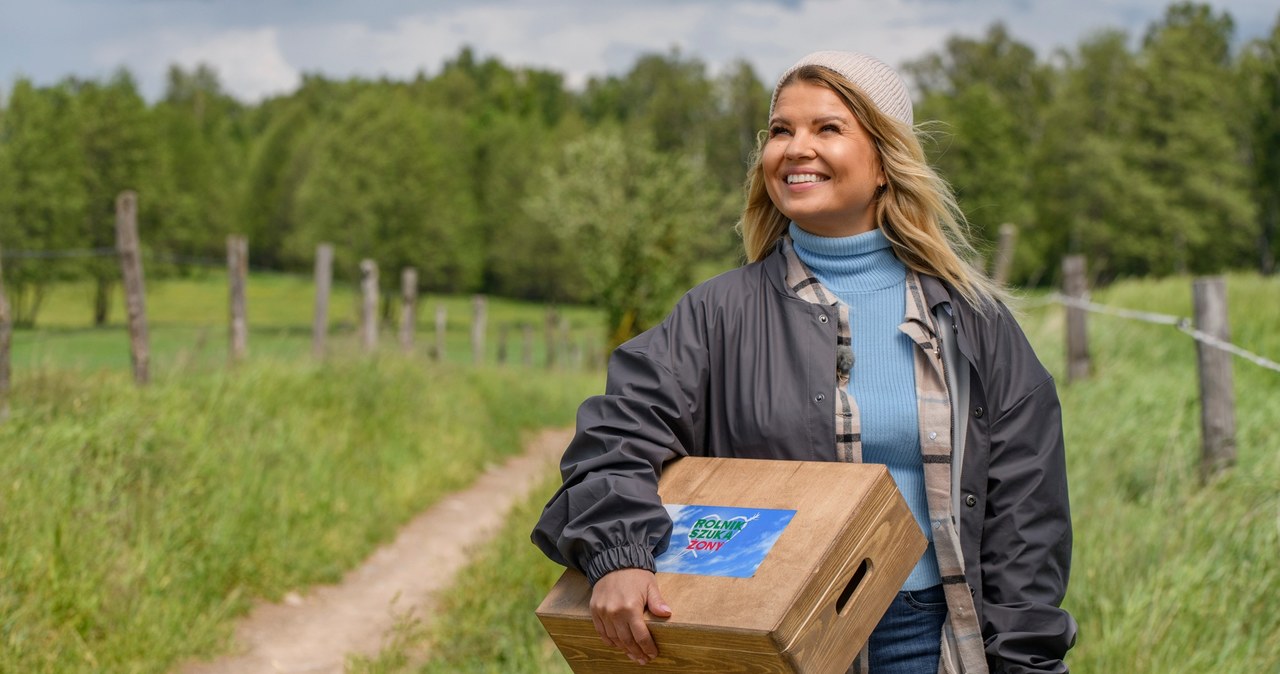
(261, 48)
(737, 555)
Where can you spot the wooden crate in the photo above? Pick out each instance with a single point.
(810, 605)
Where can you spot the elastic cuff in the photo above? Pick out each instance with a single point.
(630, 556)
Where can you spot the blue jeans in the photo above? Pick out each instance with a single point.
(907, 639)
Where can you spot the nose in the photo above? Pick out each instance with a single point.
(800, 145)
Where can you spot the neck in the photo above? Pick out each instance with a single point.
(859, 263)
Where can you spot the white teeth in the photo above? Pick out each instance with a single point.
(804, 178)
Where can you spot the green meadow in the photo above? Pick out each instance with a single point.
(135, 525)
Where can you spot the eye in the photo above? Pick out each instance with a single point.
(830, 127)
(777, 131)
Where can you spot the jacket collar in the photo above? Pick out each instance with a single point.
(775, 269)
(935, 291)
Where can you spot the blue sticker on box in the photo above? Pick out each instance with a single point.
(719, 540)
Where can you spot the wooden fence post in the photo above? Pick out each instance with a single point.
(6, 334)
(409, 312)
(128, 246)
(479, 311)
(442, 321)
(1074, 287)
(566, 341)
(1217, 392)
(324, 281)
(369, 305)
(553, 322)
(503, 333)
(526, 349)
(237, 273)
(1004, 253)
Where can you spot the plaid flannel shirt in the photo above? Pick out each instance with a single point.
(962, 638)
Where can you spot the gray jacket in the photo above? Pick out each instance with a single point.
(743, 368)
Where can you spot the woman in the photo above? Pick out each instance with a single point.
(824, 347)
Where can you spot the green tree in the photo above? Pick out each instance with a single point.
(509, 115)
(741, 109)
(636, 218)
(120, 153)
(1186, 113)
(991, 94)
(198, 188)
(284, 135)
(1090, 188)
(667, 97)
(509, 152)
(45, 203)
(389, 181)
(1260, 72)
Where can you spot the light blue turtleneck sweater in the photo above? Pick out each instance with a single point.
(862, 271)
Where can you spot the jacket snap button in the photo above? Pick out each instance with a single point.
(822, 318)
(819, 397)
(971, 500)
(977, 412)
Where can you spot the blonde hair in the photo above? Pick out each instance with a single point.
(916, 210)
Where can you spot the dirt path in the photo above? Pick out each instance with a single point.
(313, 634)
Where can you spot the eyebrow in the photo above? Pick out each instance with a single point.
(819, 120)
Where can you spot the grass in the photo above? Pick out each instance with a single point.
(1168, 575)
(136, 524)
(187, 320)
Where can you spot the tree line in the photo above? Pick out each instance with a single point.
(1156, 157)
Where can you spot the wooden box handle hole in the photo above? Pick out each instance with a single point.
(853, 585)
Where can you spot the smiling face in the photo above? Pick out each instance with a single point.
(821, 168)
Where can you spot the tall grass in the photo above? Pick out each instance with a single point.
(136, 524)
(1168, 575)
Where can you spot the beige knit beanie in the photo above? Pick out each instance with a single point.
(880, 82)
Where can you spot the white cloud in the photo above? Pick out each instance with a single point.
(573, 39)
(249, 62)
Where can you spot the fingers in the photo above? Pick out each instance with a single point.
(618, 602)
(624, 628)
(642, 641)
(657, 605)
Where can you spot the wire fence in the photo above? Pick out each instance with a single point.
(1182, 323)
(83, 253)
(71, 253)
